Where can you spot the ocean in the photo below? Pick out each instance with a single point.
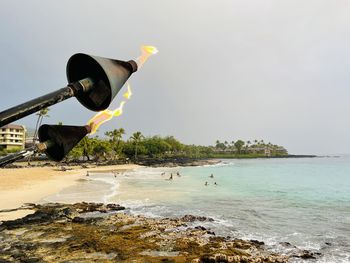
(302, 202)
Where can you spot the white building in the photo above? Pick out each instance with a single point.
(12, 136)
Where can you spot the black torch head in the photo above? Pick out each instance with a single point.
(61, 139)
(108, 75)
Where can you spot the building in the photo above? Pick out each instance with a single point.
(12, 136)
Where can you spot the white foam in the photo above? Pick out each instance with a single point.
(220, 164)
(110, 180)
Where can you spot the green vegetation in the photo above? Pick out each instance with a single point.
(114, 148)
(4, 151)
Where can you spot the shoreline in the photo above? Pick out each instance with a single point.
(23, 184)
(19, 186)
(183, 234)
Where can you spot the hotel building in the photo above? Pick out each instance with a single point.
(12, 136)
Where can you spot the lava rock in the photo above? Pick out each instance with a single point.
(192, 218)
(257, 242)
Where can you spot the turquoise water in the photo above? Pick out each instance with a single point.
(305, 202)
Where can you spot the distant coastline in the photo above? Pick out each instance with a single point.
(184, 161)
(260, 156)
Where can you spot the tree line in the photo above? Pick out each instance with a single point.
(138, 146)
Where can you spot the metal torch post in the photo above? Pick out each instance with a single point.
(27, 108)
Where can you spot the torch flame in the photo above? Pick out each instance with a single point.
(146, 52)
(128, 93)
(104, 116)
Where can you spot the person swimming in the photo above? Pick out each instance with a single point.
(178, 174)
(211, 176)
(215, 184)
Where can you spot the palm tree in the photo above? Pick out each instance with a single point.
(115, 137)
(88, 146)
(41, 114)
(232, 145)
(247, 145)
(239, 144)
(136, 138)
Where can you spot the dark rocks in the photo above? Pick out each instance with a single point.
(90, 232)
(286, 244)
(306, 254)
(53, 211)
(173, 162)
(114, 207)
(86, 220)
(37, 217)
(200, 228)
(257, 242)
(192, 218)
(96, 207)
(78, 219)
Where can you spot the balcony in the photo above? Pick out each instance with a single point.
(11, 143)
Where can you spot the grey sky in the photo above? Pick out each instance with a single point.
(276, 70)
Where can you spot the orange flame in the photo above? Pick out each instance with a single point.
(146, 52)
(128, 93)
(104, 116)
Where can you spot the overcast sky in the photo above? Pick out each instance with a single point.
(273, 70)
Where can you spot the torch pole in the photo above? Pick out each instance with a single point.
(40, 147)
(27, 108)
(16, 156)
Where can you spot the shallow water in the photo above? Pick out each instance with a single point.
(305, 202)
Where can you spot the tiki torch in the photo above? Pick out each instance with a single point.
(56, 141)
(94, 81)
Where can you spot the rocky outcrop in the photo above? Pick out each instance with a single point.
(90, 232)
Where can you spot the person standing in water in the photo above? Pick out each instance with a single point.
(211, 176)
(206, 184)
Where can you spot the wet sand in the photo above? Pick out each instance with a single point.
(28, 185)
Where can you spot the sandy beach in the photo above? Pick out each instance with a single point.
(28, 185)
